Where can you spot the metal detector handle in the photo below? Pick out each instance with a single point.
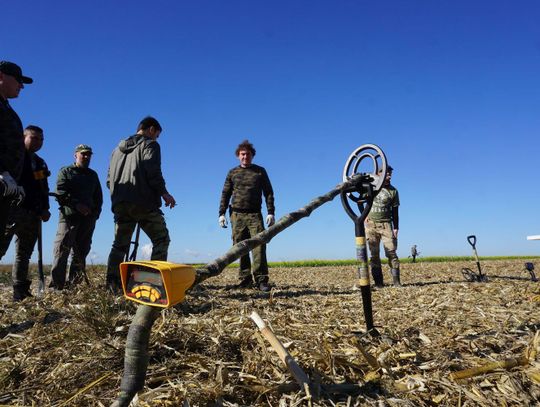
(472, 241)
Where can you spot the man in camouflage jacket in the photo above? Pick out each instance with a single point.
(24, 220)
(80, 198)
(11, 138)
(246, 184)
(382, 224)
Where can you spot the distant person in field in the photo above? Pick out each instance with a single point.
(24, 220)
(382, 224)
(11, 139)
(244, 187)
(79, 195)
(414, 253)
(137, 187)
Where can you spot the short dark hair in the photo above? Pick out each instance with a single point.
(148, 122)
(245, 145)
(37, 129)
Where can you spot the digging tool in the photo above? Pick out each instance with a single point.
(299, 375)
(467, 272)
(158, 285)
(530, 268)
(363, 199)
(135, 243)
(41, 286)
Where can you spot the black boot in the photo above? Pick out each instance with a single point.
(377, 277)
(21, 291)
(113, 284)
(395, 278)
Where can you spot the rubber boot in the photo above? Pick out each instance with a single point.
(395, 278)
(377, 277)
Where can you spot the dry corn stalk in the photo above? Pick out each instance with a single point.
(490, 367)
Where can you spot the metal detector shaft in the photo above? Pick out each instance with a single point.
(361, 256)
(363, 274)
(363, 200)
(41, 286)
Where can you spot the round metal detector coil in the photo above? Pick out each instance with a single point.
(379, 166)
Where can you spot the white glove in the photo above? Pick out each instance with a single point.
(270, 220)
(10, 185)
(222, 221)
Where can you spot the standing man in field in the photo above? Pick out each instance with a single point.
(24, 220)
(137, 187)
(246, 184)
(80, 198)
(11, 139)
(382, 224)
(414, 253)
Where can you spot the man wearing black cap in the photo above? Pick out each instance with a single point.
(78, 192)
(11, 138)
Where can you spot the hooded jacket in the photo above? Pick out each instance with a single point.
(135, 173)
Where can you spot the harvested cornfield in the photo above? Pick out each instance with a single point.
(66, 349)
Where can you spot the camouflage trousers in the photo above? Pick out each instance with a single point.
(244, 226)
(23, 224)
(126, 217)
(74, 234)
(375, 233)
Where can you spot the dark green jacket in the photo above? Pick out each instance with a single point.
(135, 173)
(11, 141)
(78, 185)
(246, 187)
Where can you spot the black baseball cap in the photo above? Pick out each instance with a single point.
(9, 68)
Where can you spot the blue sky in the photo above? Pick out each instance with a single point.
(449, 90)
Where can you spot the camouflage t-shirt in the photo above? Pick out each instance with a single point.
(246, 186)
(386, 199)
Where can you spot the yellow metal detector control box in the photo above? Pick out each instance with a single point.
(156, 283)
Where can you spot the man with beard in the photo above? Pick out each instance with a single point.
(244, 187)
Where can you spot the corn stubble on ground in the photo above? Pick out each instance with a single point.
(68, 347)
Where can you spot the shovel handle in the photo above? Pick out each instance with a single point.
(41, 287)
(472, 240)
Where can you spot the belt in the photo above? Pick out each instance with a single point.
(237, 210)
